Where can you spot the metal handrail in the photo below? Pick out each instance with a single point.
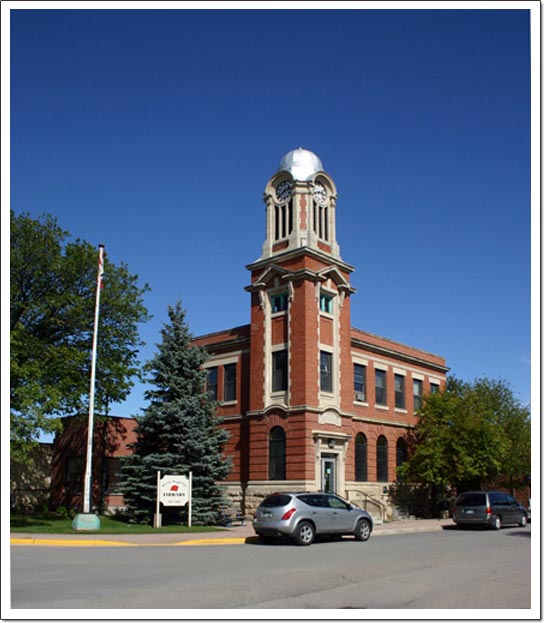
(368, 497)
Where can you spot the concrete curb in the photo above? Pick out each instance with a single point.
(69, 543)
(405, 528)
(101, 543)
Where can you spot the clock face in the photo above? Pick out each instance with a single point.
(320, 194)
(283, 191)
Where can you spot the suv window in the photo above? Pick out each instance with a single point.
(275, 500)
(335, 502)
(314, 500)
(472, 499)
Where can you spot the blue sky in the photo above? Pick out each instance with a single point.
(154, 132)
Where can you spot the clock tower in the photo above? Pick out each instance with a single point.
(300, 375)
(300, 204)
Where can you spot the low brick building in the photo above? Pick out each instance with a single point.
(309, 401)
(30, 481)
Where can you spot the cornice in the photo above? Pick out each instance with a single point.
(298, 409)
(394, 354)
(301, 274)
(306, 409)
(295, 253)
(226, 344)
(369, 420)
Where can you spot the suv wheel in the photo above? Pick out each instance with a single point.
(523, 521)
(362, 530)
(496, 523)
(305, 533)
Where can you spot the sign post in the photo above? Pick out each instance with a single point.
(173, 491)
(157, 519)
(190, 497)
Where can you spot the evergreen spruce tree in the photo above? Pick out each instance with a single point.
(177, 433)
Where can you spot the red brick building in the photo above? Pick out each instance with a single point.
(309, 401)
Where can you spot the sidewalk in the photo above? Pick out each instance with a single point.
(235, 535)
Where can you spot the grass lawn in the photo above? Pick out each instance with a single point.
(51, 523)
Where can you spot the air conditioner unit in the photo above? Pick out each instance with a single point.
(359, 397)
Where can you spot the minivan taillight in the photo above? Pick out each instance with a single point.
(288, 514)
(488, 512)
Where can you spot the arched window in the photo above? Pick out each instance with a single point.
(401, 451)
(361, 472)
(382, 459)
(276, 454)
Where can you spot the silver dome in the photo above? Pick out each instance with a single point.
(301, 163)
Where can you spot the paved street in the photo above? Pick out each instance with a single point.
(442, 569)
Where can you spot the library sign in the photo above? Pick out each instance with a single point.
(173, 490)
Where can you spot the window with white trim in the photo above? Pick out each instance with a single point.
(325, 371)
(279, 371)
(325, 303)
(381, 388)
(400, 399)
(229, 382)
(279, 302)
(418, 394)
(211, 382)
(359, 382)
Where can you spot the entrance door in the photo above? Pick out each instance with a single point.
(328, 473)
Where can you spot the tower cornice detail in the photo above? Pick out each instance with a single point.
(296, 253)
(272, 271)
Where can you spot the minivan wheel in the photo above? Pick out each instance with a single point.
(305, 533)
(523, 521)
(362, 530)
(496, 523)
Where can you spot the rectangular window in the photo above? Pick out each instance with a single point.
(325, 303)
(381, 395)
(279, 371)
(400, 402)
(359, 382)
(418, 394)
(73, 475)
(279, 302)
(325, 370)
(435, 388)
(111, 475)
(211, 382)
(229, 384)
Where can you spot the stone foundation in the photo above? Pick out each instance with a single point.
(369, 496)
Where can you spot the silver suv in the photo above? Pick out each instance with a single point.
(304, 515)
(490, 508)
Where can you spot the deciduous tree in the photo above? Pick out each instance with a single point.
(469, 434)
(52, 291)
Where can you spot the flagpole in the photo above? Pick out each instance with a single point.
(87, 490)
